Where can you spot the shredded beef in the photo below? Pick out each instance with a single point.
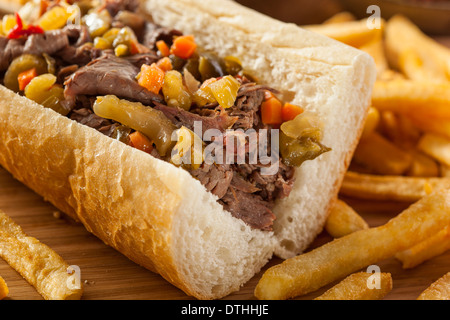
(218, 120)
(250, 208)
(49, 42)
(105, 75)
(153, 33)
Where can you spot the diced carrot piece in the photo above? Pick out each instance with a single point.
(165, 64)
(290, 111)
(183, 47)
(271, 111)
(141, 142)
(151, 77)
(25, 77)
(163, 48)
(134, 48)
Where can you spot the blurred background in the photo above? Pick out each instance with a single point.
(432, 16)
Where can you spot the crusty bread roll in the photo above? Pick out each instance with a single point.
(157, 214)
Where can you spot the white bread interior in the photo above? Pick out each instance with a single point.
(157, 214)
(320, 74)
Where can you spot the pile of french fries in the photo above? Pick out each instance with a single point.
(403, 155)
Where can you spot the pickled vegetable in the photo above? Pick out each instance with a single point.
(152, 123)
(210, 66)
(232, 65)
(225, 91)
(111, 35)
(21, 64)
(192, 66)
(42, 89)
(124, 36)
(121, 50)
(174, 91)
(102, 43)
(97, 22)
(51, 63)
(204, 95)
(8, 22)
(55, 18)
(177, 62)
(188, 151)
(300, 139)
(122, 134)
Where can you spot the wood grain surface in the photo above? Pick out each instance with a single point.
(107, 274)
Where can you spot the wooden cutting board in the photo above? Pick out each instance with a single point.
(107, 274)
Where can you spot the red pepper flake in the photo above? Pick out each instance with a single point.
(18, 30)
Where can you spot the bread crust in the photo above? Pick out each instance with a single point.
(136, 203)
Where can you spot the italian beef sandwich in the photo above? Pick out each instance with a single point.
(198, 138)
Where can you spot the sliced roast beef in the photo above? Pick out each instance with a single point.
(153, 33)
(105, 75)
(180, 117)
(49, 42)
(250, 208)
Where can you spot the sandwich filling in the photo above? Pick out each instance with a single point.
(104, 65)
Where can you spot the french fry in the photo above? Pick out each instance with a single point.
(4, 291)
(438, 290)
(353, 33)
(397, 188)
(340, 17)
(343, 220)
(403, 38)
(419, 68)
(399, 130)
(425, 250)
(42, 267)
(425, 99)
(372, 121)
(336, 259)
(355, 287)
(381, 155)
(423, 166)
(436, 146)
(432, 125)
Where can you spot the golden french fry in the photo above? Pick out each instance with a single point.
(340, 17)
(436, 146)
(372, 120)
(438, 290)
(42, 267)
(399, 130)
(357, 286)
(403, 38)
(423, 166)
(430, 124)
(390, 75)
(444, 170)
(419, 68)
(4, 291)
(381, 155)
(353, 33)
(425, 99)
(398, 188)
(425, 250)
(343, 220)
(336, 259)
